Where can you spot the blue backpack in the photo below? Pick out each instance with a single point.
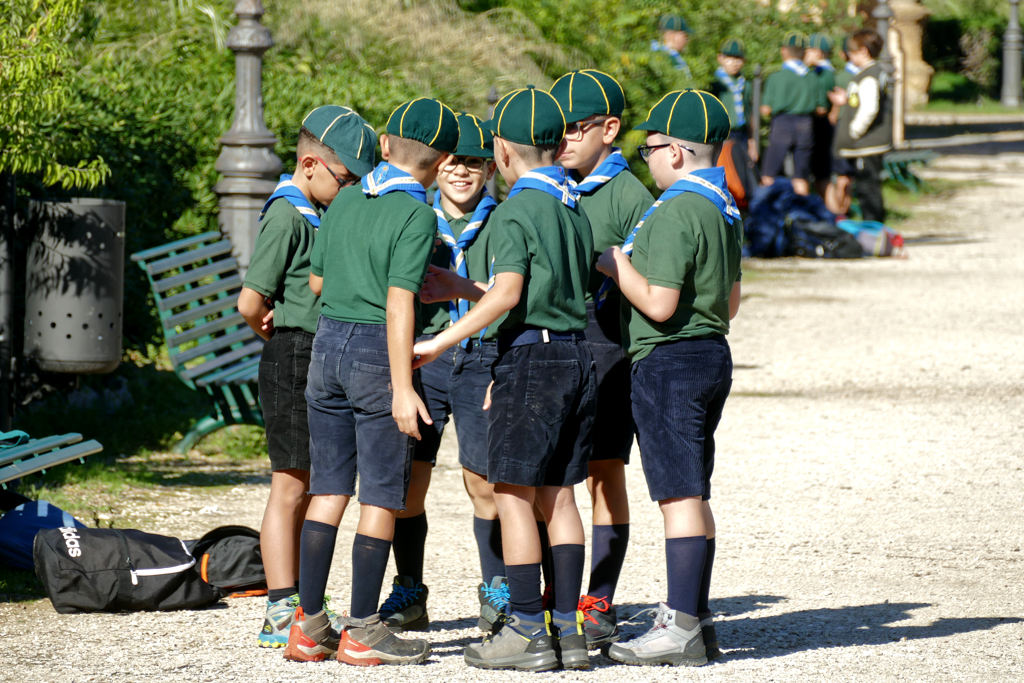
(18, 529)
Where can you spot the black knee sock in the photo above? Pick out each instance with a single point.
(315, 553)
(685, 559)
(524, 588)
(545, 555)
(408, 546)
(568, 560)
(607, 553)
(369, 562)
(275, 594)
(488, 543)
(705, 579)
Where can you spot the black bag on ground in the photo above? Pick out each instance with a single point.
(110, 570)
(820, 239)
(230, 560)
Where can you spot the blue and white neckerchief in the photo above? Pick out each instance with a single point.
(851, 68)
(551, 179)
(824, 66)
(606, 170)
(735, 86)
(286, 189)
(709, 183)
(386, 179)
(676, 57)
(796, 66)
(459, 307)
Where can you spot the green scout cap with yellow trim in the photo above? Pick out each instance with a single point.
(529, 117)
(794, 39)
(345, 132)
(475, 140)
(821, 41)
(692, 115)
(427, 121)
(732, 47)
(587, 93)
(673, 22)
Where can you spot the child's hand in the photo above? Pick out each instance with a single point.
(406, 407)
(425, 352)
(837, 96)
(487, 397)
(752, 149)
(268, 322)
(606, 263)
(441, 285)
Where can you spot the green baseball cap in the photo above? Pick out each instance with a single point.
(427, 121)
(529, 117)
(821, 41)
(475, 140)
(795, 39)
(673, 22)
(732, 47)
(345, 132)
(692, 115)
(588, 92)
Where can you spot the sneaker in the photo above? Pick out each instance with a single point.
(406, 607)
(369, 642)
(337, 621)
(572, 641)
(493, 604)
(600, 621)
(277, 622)
(675, 638)
(311, 639)
(522, 643)
(707, 631)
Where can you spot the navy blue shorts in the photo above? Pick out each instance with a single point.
(613, 424)
(679, 391)
(350, 424)
(455, 385)
(542, 412)
(790, 133)
(843, 166)
(284, 366)
(821, 158)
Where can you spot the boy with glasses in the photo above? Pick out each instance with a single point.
(614, 200)
(335, 149)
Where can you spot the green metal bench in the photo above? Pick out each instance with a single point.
(195, 284)
(39, 455)
(898, 166)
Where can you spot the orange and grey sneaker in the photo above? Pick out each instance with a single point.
(311, 639)
(599, 621)
(369, 642)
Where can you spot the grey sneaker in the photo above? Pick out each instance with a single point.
(369, 642)
(572, 640)
(493, 604)
(406, 607)
(520, 644)
(675, 638)
(311, 639)
(707, 631)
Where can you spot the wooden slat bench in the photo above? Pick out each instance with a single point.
(898, 166)
(40, 455)
(195, 283)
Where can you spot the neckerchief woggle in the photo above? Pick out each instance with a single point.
(386, 179)
(709, 183)
(459, 307)
(824, 66)
(286, 189)
(676, 57)
(736, 88)
(553, 180)
(851, 68)
(612, 166)
(796, 66)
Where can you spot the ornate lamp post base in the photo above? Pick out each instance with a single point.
(1013, 41)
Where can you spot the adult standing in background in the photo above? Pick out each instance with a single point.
(675, 34)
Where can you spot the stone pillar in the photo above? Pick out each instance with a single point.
(1013, 41)
(247, 161)
(908, 18)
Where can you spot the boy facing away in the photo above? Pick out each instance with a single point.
(683, 286)
(335, 149)
(816, 57)
(368, 263)
(543, 398)
(613, 200)
(790, 97)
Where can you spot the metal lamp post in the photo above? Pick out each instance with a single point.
(1013, 41)
(883, 13)
(247, 161)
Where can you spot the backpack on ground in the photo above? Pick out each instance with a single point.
(741, 172)
(230, 560)
(820, 239)
(876, 238)
(18, 529)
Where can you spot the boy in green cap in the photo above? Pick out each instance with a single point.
(368, 263)
(675, 34)
(614, 200)
(680, 271)
(544, 390)
(816, 57)
(454, 386)
(790, 97)
(735, 92)
(335, 149)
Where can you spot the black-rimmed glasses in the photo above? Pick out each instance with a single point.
(342, 182)
(472, 164)
(574, 131)
(647, 150)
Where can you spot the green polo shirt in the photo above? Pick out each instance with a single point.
(843, 77)
(550, 245)
(787, 93)
(368, 244)
(720, 90)
(826, 82)
(686, 245)
(279, 267)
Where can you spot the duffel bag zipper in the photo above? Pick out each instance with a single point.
(159, 571)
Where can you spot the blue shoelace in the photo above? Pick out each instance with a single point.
(498, 597)
(400, 598)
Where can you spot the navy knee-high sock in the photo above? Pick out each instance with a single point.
(545, 555)
(705, 579)
(409, 545)
(568, 560)
(488, 543)
(524, 588)
(607, 553)
(315, 552)
(685, 559)
(369, 562)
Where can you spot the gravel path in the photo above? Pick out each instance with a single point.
(869, 492)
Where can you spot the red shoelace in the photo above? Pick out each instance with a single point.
(589, 603)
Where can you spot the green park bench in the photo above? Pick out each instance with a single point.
(39, 455)
(195, 284)
(899, 166)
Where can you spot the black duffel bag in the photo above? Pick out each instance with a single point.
(230, 560)
(110, 570)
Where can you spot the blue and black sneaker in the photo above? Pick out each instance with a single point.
(406, 607)
(493, 604)
(277, 622)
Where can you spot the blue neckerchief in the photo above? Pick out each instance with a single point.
(851, 68)
(676, 57)
(796, 66)
(824, 66)
(736, 88)
(386, 178)
(286, 189)
(709, 183)
(459, 307)
(553, 180)
(608, 169)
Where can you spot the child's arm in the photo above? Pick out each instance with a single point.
(734, 301)
(868, 92)
(657, 303)
(253, 307)
(444, 285)
(406, 404)
(316, 283)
